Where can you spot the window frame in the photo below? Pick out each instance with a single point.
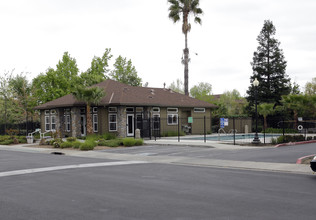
(198, 111)
(173, 117)
(110, 122)
(95, 123)
(53, 122)
(172, 110)
(112, 109)
(47, 123)
(156, 110)
(67, 123)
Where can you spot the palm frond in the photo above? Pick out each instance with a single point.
(198, 20)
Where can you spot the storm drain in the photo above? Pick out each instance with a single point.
(58, 153)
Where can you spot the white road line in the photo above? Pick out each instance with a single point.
(87, 165)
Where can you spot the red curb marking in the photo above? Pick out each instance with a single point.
(299, 160)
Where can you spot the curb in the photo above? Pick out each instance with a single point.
(295, 143)
(305, 159)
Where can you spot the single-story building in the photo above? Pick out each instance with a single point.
(126, 108)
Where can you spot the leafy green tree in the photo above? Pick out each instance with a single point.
(125, 72)
(202, 91)
(269, 68)
(265, 109)
(6, 98)
(89, 95)
(57, 83)
(183, 8)
(230, 103)
(98, 70)
(177, 86)
(310, 87)
(22, 93)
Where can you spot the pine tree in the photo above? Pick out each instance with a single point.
(269, 67)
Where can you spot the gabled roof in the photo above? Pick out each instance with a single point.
(121, 94)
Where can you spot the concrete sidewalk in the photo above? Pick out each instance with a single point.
(199, 143)
(176, 160)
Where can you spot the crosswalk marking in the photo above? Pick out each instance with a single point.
(65, 167)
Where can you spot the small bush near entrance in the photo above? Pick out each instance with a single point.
(111, 143)
(71, 139)
(88, 145)
(290, 138)
(66, 144)
(6, 139)
(76, 144)
(128, 142)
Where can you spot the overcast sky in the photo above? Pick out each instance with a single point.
(36, 33)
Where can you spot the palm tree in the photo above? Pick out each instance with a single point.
(183, 8)
(265, 109)
(296, 103)
(90, 95)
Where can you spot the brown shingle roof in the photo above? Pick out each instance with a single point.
(121, 94)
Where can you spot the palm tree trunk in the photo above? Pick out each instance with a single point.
(186, 66)
(89, 120)
(265, 122)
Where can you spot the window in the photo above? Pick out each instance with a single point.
(129, 109)
(53, 122)
(199, 110)
(156, 109)
(47, 123)
(112, 109)
(82, 111)
(95, 109)
(172, 110)
(95, 123)
(67, 123)
(112, 122)
(46, 112)
(172, 119)
(139, 109)
(53, 112)
(156, 121)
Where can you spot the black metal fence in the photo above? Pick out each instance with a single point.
(234, 130)
(20, 128)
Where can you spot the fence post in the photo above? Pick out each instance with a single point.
(283, 127)
(204, 131)
(234, 130)
(178, 129)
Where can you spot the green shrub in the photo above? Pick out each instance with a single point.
(88, 145)
(139, 142)
(111, 143)
(22, 140)
(66, 144)
(71, 139)
(76, 144)
(290, 138)
(108, 136)
(56, 142)
(6, 142)
(314, 137)
(280, 131)
(129, 142)
(309, 138)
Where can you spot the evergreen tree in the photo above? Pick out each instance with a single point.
(269, 68)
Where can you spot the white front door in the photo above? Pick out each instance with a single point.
(130, 125)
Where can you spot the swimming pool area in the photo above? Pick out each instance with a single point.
(230, 137)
